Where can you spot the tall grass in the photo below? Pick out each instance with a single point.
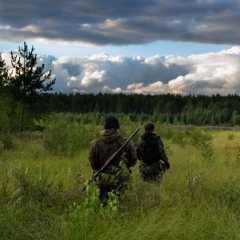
(41, 197)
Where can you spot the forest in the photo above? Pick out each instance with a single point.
(163, 108)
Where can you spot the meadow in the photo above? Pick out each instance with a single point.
(42, 175)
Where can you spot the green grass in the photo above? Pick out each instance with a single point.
(199, 198)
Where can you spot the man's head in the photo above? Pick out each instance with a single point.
(149, 127)
(112, 122)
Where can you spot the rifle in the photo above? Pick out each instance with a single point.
(94, 176)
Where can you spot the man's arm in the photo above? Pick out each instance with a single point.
(163, 156)
(93, 157)
(138, 150)
(132, 155)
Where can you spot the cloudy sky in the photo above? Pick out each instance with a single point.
(129, 46)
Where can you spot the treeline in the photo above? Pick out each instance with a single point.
(165, 108)
(26, 98)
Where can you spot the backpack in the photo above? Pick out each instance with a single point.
(150, 150)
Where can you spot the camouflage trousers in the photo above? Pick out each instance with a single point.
(112, 181)
(105, 189)
(151, 173)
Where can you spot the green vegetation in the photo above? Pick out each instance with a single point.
(42, 175)
(43, 172)
(23, 90)
(174, 109)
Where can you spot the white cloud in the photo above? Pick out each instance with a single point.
(209, 73)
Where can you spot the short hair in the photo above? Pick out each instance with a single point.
(149, 127)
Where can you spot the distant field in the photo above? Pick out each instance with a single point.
(42, 174)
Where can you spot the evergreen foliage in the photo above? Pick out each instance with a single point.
(3, 72)
(165, 108)
(26, 85)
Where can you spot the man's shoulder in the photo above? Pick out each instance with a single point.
(150, 135)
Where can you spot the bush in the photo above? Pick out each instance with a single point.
(7, 142)
(66, 136)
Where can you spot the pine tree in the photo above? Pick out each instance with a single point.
(3, 73)
(28, 84)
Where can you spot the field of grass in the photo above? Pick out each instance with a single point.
(199, 197)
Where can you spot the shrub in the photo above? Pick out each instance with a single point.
(7, 142)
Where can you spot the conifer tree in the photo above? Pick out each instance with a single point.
(28, 84)
(3, 73)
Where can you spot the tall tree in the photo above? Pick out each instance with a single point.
(4, 100)
(3, 73)
(28, 84)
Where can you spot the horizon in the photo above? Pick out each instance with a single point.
(189, 47)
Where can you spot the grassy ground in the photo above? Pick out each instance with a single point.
(199, 197)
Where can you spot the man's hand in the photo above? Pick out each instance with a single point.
(165, 166)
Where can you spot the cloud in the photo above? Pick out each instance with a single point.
(121, 22)
(206, 74)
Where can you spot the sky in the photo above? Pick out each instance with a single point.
(129, 46)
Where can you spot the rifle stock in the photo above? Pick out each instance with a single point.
(94, 176)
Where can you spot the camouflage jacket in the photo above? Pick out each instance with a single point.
(108, 143)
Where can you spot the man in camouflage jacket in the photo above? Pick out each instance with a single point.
(154, 170)
(116, 176)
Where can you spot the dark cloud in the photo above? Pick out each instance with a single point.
(121, 22)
